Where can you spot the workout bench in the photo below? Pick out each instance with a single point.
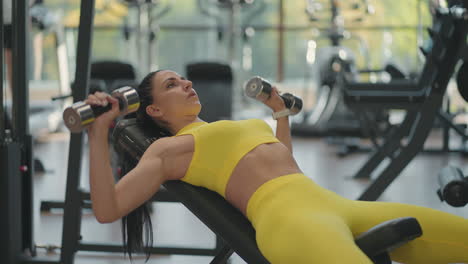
(229, 223)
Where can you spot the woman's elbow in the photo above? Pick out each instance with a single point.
(105, 218)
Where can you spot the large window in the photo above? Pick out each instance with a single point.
(185, 34)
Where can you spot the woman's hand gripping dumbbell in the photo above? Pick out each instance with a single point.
(261, 90)
(81, 114)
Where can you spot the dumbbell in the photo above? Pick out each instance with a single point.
(80, 115)
(260, 89)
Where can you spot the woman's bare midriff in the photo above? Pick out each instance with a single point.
(263, 163)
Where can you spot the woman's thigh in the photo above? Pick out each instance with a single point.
(304, 237)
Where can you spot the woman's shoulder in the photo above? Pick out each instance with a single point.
(161, 143)
(169, 144)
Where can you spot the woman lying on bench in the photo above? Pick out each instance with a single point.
(296, 221)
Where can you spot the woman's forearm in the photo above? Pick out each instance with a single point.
(283, 132)
(102, 183)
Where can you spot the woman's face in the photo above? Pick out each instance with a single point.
(174, 97)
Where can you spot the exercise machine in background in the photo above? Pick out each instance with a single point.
(330, 116)
(421, 99)
(453, 184)
(45, 116)
(16, 152)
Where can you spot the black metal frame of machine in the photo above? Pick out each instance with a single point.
(422, 99)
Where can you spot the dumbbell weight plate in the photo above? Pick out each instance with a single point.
(78, 116)
(294, 104)
(258, 88)
(132, 102)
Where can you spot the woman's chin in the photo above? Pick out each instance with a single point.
(194, 110)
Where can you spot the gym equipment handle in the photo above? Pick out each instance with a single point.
(453, 186)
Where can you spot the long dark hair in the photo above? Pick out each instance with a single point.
(137, 228)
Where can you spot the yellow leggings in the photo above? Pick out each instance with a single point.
(297, 221)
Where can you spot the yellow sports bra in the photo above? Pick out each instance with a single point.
(218, 148)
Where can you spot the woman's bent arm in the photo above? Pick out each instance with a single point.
(283, 132)
(101, 180)
(112, 201)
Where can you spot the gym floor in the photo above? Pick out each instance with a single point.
(175, 226)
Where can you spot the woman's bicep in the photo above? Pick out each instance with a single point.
(139, 184)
